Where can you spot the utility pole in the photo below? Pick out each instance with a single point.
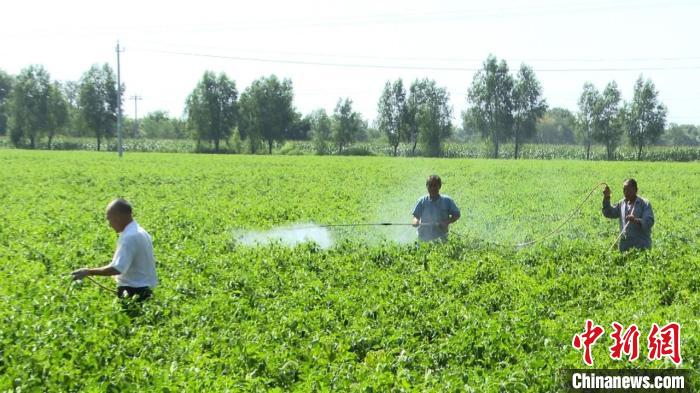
(136, 99)
(119, 104)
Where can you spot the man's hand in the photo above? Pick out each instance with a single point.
(80, 273)
(416, 222)
(606, 192)
(632, 218)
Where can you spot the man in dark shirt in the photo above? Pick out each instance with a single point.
(635, 214)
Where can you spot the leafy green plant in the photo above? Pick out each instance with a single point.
(375, 312)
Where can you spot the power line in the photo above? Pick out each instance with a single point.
(263, 53)
(410, 67)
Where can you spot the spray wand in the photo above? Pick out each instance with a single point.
(366, 225)
(360, 224)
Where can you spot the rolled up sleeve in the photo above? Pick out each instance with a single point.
(454, 210)
(123, 256)
(647, 220)
(418, 210)
(610, 211)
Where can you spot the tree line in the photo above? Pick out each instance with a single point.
(502, 108)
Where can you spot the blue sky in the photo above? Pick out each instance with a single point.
(333, 49)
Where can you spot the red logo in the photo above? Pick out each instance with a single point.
(587, 339)
(627, 343)
(664, 342)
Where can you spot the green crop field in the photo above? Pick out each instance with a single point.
(369, 311)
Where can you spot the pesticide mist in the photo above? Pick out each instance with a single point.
(287, 235)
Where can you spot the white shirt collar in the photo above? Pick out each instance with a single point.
(129, 227)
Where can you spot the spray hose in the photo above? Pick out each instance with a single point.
(565, 220)
(104, 288)
(619, 236)
(518, 245)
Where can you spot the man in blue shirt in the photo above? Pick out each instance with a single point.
(434, 213)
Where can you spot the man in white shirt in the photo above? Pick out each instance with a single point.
(133, 264)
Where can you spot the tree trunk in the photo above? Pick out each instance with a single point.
(99, 141)
(216, 145)
(495, 147)
(639, 152)
(588, 144)
(588, 149)
(517, 141)
(269, 146)
(395, 147)
(415, 142)
(32, 142)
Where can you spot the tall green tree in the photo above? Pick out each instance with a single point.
(416, 98)
(558, 126)
(57, 112)
(428, 116)
(6, 82)
(97, 99)
(432, 115)
(646, 117)
(608, 119)
(71, 92)
(212, 108)
(347, 124)
(392, 112)
(268, 112)
(300, 127)
(159, 125)
(491, 100)
(320, 130)
(249, 127)
(528, 106)
(587, 105)
(29, 105)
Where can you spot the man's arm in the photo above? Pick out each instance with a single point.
(417, 213)
(608, 210)
(646, 221)
(96, 271)
(648, 218)
(453, 215)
